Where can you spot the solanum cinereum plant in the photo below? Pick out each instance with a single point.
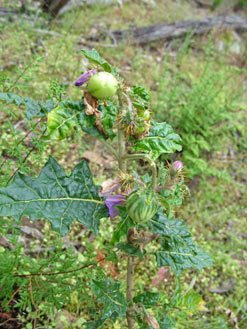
(139, 203)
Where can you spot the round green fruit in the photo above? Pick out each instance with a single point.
(102, 85)
(145, 115)
(142, 205)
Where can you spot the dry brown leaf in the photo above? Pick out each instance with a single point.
(109, 186)
(106, 265)
(91, 103)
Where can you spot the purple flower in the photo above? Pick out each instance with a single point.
(178, 165)
(84, 78)
(114, 200)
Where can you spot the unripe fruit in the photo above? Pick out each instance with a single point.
(102, 85)
(145, 115)
(142, 205)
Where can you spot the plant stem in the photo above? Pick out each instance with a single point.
(130, 290)
(121, 150)
(141, 156)
(130, 262)
(121, 138)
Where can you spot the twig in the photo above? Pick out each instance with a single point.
(31, 290)
(10, 319)
(11, 298)
(47, 32)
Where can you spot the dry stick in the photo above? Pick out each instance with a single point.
(11, 298)
(31, 290)
(10, 319)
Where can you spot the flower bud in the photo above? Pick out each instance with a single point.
(178, 165)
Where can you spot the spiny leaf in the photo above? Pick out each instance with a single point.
(56, 197)
(173, 229)
(161, 139)
(177, 248)
(108, 293)
(33, 108)
(180, 257)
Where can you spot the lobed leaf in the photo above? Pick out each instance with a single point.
(108, 293)
(179, 257)
(56, 197)
(161, 139)
(177, 248)
(33, 108)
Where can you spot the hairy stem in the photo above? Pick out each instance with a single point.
(121, 138)
(130, 290)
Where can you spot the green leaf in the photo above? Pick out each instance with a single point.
(108, 117)
(173, 229)
(94, 57)
(123, 226)
(56, 197)
(108, 293)
(177, 248)
(147, 298)
(161, 139)
(33, 108)
(130, 249)
(179, 257)
(191, 301)
(139, 96)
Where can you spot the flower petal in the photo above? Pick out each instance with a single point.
(114, 200)
(84, 78)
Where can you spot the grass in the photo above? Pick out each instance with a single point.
(216, 210)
